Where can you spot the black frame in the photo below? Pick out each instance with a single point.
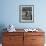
(26, 13)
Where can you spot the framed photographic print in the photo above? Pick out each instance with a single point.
(26, 13)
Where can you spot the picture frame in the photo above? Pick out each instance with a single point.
(26, 13)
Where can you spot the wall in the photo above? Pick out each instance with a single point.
(9, 13)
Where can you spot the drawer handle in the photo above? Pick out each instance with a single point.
(33, 39)
(11, 38)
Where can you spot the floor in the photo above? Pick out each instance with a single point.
(0, 44)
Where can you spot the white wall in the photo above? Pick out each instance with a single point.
(10, 13)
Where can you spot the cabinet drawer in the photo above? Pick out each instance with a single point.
(13, 33)
(37, 39)
(8, 45)
(34, 33)
(12, 39)
(20, 44)
(37, 44)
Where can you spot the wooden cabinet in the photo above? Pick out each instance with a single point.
(23, 39)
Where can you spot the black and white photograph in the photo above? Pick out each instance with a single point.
(26, 13)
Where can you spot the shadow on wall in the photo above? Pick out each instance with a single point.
(2, 26)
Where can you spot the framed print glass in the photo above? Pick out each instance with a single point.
(26, 13)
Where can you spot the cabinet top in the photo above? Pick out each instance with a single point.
(22, 30)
